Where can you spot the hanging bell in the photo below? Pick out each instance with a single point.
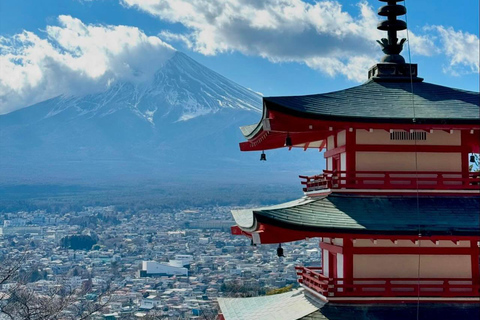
(288, 141)
(263, 156)
(472, 158)
(280, 251)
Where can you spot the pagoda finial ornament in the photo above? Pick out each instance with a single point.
(392, 67)
(391, 46)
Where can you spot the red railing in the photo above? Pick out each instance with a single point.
(392, 180)
(386, 287)
(314, 183)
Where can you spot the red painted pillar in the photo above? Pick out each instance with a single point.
(350, 149)
(322, 258)
(475, 261)
(348, 261)
(465, 157)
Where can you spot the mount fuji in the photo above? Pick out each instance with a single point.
(182, 124)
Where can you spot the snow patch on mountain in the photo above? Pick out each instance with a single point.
(182, 123)
(180, 91)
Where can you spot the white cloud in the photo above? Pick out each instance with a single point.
(462, 49)
(354, 68)
(74, 58)
(321, 34)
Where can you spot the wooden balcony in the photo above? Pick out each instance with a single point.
(314, 279)
(391, 180)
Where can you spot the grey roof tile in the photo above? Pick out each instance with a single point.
(285, 306)
(380, 214)
(390, 101)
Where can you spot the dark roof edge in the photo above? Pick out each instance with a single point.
(277, 107)
(425, 233)
(370, 81)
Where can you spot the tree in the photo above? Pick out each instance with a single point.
(280, 290)
(61, 302)
(78, 242)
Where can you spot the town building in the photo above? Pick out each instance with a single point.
(155, 269)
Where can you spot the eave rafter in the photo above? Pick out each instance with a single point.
(270, 234)
(275, 126)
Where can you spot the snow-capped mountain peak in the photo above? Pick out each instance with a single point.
(185, 118)
(180, 91)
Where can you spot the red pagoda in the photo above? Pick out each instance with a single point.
(397, 208)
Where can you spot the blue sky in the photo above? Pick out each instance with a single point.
(276, 47)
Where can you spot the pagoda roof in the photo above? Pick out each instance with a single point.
(291, 305)
(301, 304)
(398, 311)
(360, 214)
(385, 102)
(309, 119)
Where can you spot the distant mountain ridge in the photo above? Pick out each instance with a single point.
(183, 87)
(181, 124)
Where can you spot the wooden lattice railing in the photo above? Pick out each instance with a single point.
(392, 180)
(386, 287)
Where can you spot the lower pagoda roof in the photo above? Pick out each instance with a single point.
(398, 215)
(291, 305)
(302, 305)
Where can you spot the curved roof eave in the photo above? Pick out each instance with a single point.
(245, 218)
(250, 131)
(378, 215)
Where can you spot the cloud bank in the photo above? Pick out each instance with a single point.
(462, 48)
(321, 34)
(77, 58)
(74, 58)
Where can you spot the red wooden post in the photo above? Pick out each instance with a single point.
(350, 145)
(475, 261)
(348, 263)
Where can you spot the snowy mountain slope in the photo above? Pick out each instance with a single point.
(183, 123)
(182, 90)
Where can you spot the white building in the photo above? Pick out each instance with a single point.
(153, 268)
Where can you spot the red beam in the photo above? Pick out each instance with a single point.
(334, 152)
(274, 140)
(408, 148)
(331, 248)
(322, 145)
(235, 230)
(275, 234)
(413, 250)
